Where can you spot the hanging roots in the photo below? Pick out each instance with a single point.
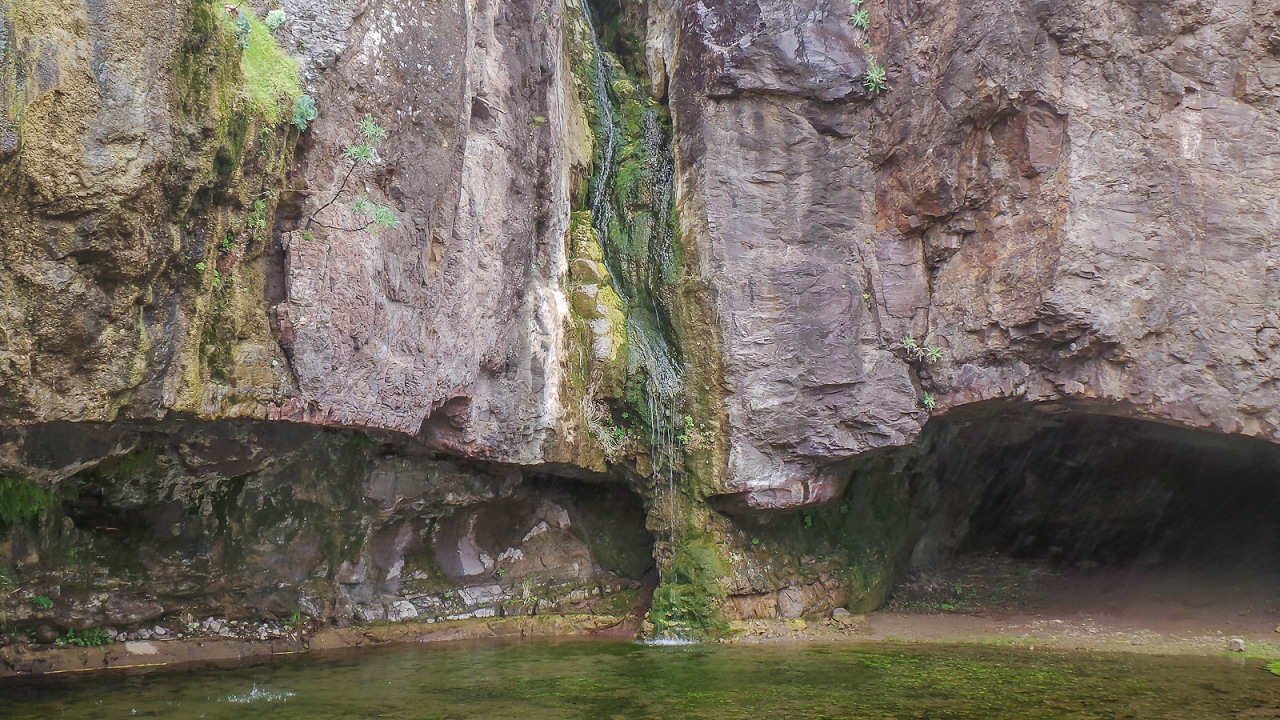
(612, 438)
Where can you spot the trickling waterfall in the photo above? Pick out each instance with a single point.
(640, 272)
(601, 212)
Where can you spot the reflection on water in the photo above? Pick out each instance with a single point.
(626, 680)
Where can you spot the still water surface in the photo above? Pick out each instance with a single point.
(623, 680)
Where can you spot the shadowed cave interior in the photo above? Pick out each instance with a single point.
(1101, 503)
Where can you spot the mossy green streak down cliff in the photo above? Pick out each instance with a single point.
(652, 393)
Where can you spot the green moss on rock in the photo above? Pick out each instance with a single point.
(21, 500)
(687, 603)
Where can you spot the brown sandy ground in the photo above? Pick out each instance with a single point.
(1001, 601)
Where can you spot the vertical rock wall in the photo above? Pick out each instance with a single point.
(1071, 202)
(129, 165)
(451, 323)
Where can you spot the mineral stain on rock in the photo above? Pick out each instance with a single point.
(683, 316)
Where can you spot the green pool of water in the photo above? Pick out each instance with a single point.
(624, 680)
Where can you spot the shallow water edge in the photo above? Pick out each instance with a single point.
(1006, 633)
(28, 660)
(576, 678)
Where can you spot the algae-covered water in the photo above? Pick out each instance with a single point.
(624, 680)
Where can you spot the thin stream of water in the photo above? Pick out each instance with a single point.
(601, 213)
(647, 347)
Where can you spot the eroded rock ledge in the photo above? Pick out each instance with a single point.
(251, 519)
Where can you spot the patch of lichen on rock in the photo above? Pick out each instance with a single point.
(593, 299)
(20, 500)
(241, 93)
(114, 318)
(596, 345)
(687, 604)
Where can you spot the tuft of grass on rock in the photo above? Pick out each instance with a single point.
(270, 74)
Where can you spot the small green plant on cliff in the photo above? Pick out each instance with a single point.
(860, 18)
(20, 501)
(930, 402)
(933, 353)
(304, 111)
(876, 79)
(257, 219)
(362, 154)
(694, 437)
(274, 20)
(243, 29)
(613, 439)
(42, 602)
(689, 598)
(295, 619)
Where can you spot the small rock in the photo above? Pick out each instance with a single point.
(1235, 645)
(159, 631)
(839, 613)
(46, 635)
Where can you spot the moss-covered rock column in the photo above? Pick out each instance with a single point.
(655, 407)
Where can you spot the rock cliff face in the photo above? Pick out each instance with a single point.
(1070, 200)
(681, 249)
